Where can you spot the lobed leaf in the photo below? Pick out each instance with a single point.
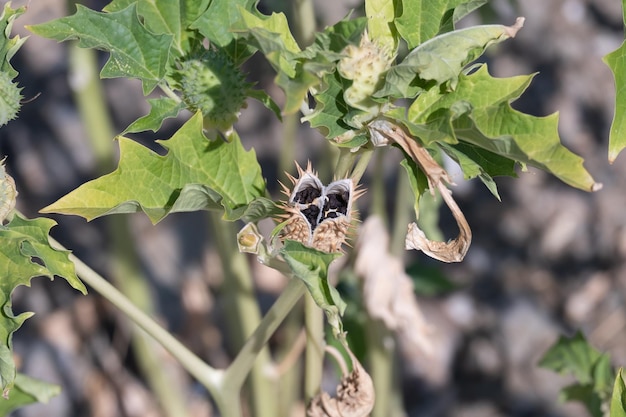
(477, 162)
(330, 109)
(160, 109)
(483, 117)
(195, 174)
(216, 21)
(27, 391)
(441, 59)
(25, 253)
(135, 51)
(10, 93)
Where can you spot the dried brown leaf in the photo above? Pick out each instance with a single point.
(455, 249)
(355, 395)
(387, 289)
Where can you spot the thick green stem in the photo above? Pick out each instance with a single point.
(380, 351)
(244, 314)
(380, 355)
(361, 165)
(314, 350)
(401, 215)
(344, 163)
(303, 15)
(243, 363)
(211, 378)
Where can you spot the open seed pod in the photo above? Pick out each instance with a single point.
(316, 215)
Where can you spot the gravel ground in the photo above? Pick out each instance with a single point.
(545, 261)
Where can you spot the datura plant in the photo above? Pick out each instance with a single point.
(402, 76)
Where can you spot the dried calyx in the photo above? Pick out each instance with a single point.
(316, 215)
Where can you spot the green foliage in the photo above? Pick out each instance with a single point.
(196, 174)
(25, 253)
(27, 391)
(311, 266)
(135, 51)
(591, 369)
(10, 96)
(193, 52)
(618, 398)
(616, 61)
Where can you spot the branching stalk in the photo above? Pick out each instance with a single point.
(209, 377)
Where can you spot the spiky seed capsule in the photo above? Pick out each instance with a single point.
(210, 82)
(10, 98)
(8, 193)
(315, 215)
(366, 66)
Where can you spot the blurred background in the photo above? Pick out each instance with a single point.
(545, 261)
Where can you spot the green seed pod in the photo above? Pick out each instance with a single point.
(366, 66)
(8, 193)
(210, 82)
(10, 98)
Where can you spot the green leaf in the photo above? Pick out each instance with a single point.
(330, 109)
(172, 17)
(380, 23)
(485, 119)
(217, 20)
(441, 59)
(27, 391)
(618, 399)
(9, 45)
(195, 174)
(476, 162)
(585, 395)
(160, 109)
(420, 20)
(417, 181)
(266, 100)
(572, 355)
(311, 266)
(10, 93)
(25, 252)
(135, 51)
(616, 61)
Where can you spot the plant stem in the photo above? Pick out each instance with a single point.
(344, 163)
(314, 350)
(380, 356)
(401, 216)
(209, 377)
(239, 368)
(244, 313)
(91, 104)
(361, 165)
(380, 352)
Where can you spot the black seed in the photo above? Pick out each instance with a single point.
(311, 213)
(307, 194)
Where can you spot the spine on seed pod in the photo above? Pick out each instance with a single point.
(315, 215)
